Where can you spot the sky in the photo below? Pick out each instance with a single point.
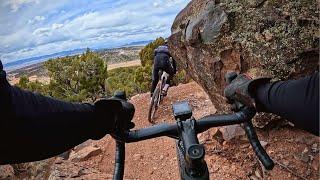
(30, 28)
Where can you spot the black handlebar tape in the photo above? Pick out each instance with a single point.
(119, 161)
(256, 146)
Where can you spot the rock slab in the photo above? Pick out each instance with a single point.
(261, 37)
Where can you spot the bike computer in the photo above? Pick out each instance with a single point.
(182, 110)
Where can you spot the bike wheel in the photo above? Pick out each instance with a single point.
(153, 105)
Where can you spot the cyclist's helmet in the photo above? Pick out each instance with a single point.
(166, 41)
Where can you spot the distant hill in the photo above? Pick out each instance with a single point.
(34, 66)
(34, 60)
(38, 59)
(137, 43)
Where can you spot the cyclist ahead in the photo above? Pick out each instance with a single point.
(162, 62)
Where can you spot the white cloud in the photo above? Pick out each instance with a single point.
(47, 31)
(39, 18)
(155, 4)
(36, 19)
(167, 3)
(56, 26)
(39, 28)
(16, 4)
(42, 32)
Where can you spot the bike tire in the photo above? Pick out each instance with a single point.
(153, 105)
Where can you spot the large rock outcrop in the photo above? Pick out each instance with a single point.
(278, 38)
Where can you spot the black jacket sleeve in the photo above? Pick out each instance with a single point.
(34, 127)
(295, 100)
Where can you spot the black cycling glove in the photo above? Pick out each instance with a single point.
(240, 89)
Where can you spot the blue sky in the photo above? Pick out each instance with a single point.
(39, 27)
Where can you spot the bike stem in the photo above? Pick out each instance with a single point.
(196, 167)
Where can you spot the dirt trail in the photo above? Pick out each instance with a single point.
(295, 150)
(155, 159)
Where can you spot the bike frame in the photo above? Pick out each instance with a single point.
(186, 131)
(164, 77)
(156, 102)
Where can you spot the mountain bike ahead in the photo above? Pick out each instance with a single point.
(190, 153)
(158, 95)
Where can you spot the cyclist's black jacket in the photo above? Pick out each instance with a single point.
(35, 127)
(162, 62)
(295, 100)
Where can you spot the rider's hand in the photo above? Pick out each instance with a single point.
(241, 89)
(118, 111)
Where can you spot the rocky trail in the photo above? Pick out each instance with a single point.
(296, 153)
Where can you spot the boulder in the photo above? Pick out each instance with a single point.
(273, 38)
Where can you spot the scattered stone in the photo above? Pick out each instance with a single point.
(232, 131)
(257, 173)
(137, 157)
(225, 143)
(263, 143)
(286, 163)
(305, 151)
(6, 172)
(65, 155)
(304, 140)
(161, 157)
(304, 156)
(290, 124)
(258, 37)
(59, 160)
(253, 177)
(268, 35)
(84, 154)
(315, 164)
(314, 148)
(207, 135)
(244, 146)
